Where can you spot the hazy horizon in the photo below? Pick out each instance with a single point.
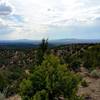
(53, 19)
(45, 39)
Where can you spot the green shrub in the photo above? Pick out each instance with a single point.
(84, 83)
(75, 65)
(95, 74)
(49, 81)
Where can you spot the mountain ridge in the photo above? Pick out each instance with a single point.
(56, 42)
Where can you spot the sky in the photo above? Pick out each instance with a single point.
(53, 19)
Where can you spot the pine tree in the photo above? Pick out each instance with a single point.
(42, 50)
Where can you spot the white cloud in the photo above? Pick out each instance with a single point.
(25, 34)
(50, 11)
(39, 15)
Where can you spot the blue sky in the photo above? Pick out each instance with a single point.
(53, 19)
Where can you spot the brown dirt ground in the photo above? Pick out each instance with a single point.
(93, 89)
(16, 97)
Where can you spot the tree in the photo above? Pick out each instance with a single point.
(42, 50)
(50, 80)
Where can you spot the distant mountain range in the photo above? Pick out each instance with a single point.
(35, 43)
(75, 41)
